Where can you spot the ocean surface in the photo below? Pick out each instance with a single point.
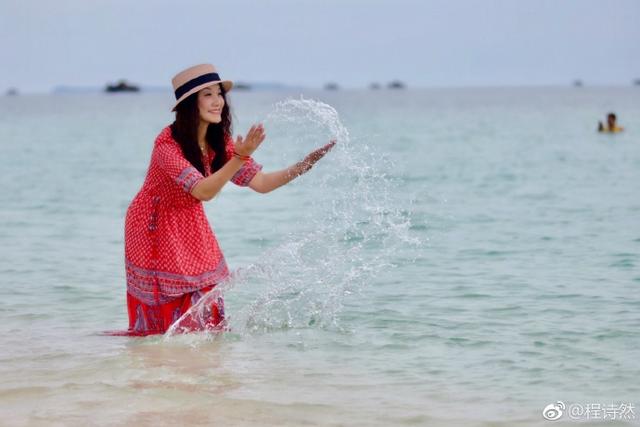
(463, 257)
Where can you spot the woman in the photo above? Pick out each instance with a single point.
(171, 254)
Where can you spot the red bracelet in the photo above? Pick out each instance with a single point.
(240, 156)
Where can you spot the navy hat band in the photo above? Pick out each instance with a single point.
(205, 78)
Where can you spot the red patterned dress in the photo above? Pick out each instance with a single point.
(171, 254)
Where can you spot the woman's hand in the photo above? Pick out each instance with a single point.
(311, 159)
(265, 182)
(247, 145)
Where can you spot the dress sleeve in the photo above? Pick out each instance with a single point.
(248, 170)
(172, 162)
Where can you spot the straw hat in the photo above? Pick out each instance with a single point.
(195, 78)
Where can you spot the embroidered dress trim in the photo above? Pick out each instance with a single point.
(188, 178)
(141, 282)
(246, 173)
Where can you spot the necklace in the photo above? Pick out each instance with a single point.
(203, 149)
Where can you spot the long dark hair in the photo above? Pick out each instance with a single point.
(185, 131)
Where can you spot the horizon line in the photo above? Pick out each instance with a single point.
(278, 87)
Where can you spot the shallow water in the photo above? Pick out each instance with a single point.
(462, 257)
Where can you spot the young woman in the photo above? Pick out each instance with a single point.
(171, 254)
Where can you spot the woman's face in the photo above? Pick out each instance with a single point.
(210, 103)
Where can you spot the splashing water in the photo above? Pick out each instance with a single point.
(351, 229)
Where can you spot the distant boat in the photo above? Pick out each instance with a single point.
(12, 92)
(636, 82)
(121, 86)
(241, 86)
(331, 86)
(578, 83)
(397, 84)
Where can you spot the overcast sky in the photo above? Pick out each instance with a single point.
(310, 42)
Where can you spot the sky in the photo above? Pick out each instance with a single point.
(439, 43)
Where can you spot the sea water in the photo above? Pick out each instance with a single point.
(461, 257)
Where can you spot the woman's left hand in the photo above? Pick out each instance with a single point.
(311, 158)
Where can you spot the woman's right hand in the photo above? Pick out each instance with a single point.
(247, 145)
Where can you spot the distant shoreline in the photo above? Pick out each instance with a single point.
(97, 89)
(70, 90)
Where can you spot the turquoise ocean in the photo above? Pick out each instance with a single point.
(463, 257)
